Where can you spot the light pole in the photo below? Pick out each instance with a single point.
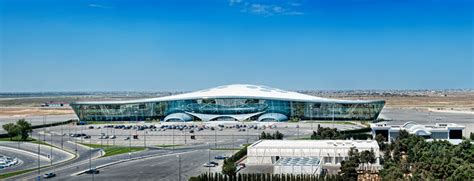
(144, 138)
(113, 130)
(298, 131)
(179, 167)
(172, 143)
(209, 162)
(101, 137)
(44, 128)
(39, 152)
(248, 130)
(51, 146)
(333, 115)
(107, 131)
(82, 132)
(90, 159)
(184, 137)
(311, 116)
(62, 136)
(130, 145)
(75, 141)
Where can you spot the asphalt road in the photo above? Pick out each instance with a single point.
(400, 116)
(162, 164)
(165, 168)
(83, 154)
(28, 160)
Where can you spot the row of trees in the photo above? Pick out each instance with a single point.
(412, 157)
(22, 129)
(229, 167)
(325, 133)
(268, 136)
(264, 177)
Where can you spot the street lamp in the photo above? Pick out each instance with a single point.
(179, 167)
(39, 164)
(144, 138)
(311, 115)
(209, 152)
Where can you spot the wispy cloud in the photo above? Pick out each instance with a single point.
(233, 2)
(99, 6)
(266, 9)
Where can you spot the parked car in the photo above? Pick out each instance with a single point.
(91, 127)
(87, 137)
(127, 138)
(113, 137)
(49, 175)
(215, 163)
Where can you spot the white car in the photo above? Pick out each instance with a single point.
(208, 164)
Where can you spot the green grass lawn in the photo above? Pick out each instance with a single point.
(17, 138)
(114, 150)
(225, 148)
(11, 174)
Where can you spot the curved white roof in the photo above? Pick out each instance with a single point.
(237, 91)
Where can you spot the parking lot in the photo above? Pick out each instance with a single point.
(178, 133)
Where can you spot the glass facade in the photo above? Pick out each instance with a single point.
(228, 106)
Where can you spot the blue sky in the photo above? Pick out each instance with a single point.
(117, 45)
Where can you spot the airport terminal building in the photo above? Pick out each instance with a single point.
(236, 102)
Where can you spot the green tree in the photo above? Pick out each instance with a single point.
(263, 135)
(229, 168)
(348, 167)
(24, 128)
(364, 156)
(11, 129)
(278, 135)
(381, 141)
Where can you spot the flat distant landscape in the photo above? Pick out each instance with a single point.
(17, 105)
(422, 106)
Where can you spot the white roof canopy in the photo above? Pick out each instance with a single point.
(237, 91)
